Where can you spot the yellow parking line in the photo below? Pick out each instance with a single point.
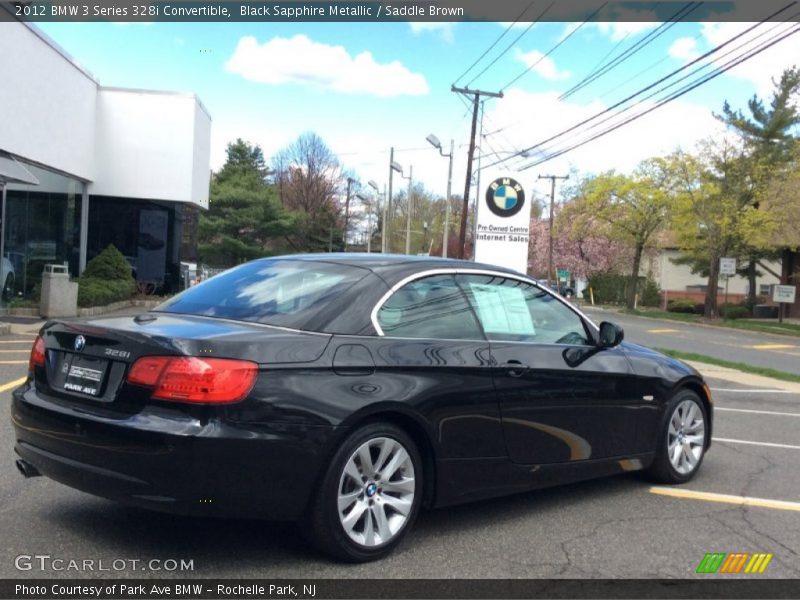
(726, 498)
(13, 362)
(20, 351)
(662, 331)
(15, 342)
(12, 384)
(772, 346)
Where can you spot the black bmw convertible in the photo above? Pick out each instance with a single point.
(348, 392)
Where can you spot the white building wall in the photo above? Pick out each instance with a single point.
(201, 161)
(151, 145)
(47, 103)
(675, 278)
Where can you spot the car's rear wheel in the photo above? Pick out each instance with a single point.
(369, 497)
(682, 439)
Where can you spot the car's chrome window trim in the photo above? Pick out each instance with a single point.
(468, 271)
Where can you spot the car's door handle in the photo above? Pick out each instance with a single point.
(515, 368)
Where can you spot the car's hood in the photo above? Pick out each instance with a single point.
(648, 362)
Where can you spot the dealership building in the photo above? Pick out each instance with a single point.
(83, 166)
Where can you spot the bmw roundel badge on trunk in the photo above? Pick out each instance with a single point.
(79, 343)
(505, 197)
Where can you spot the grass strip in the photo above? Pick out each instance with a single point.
(765, 371)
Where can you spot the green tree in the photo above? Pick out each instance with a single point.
(767, 135)
(629, 210)
(244, 219)
(713, 210)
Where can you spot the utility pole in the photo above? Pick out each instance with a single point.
(347, 212)
(552, 179)
(410, 208)
(462, 237)
(477, 186)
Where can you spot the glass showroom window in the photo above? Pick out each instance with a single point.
(42, 227)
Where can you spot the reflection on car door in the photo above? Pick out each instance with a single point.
(433, 351)
(561, 398)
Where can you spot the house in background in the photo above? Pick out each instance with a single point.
(678, 281)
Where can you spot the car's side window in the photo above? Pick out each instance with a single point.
(512, 310)
(431, 307)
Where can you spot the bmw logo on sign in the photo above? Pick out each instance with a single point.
(79, 343)
(505, 197)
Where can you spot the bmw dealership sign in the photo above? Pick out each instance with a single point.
(503, 222)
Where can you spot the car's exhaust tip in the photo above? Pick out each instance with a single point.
(27, 469)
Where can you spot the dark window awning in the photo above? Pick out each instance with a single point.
(12, 171)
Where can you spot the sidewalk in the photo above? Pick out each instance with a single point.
(10, 325)
(734, 376)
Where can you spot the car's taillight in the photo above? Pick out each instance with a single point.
(37, 354)
(195, 380)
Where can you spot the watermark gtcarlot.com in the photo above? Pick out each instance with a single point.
(47, 562)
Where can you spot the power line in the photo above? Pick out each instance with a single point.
(621, 58)
(650, 86)
(688, 76)
(502, 35)
(511, 45)
(686, 89)
(554, 48)
(685, 11)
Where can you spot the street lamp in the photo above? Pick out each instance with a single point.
(366, 202)
(434, 141)
(393, 166)
(350, 182)
(410, 206)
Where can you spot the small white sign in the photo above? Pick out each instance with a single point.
(727, 266)
(784, 293)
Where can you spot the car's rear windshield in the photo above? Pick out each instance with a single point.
(287, 293)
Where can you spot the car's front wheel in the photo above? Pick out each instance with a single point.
(370, 495)
(682, 440)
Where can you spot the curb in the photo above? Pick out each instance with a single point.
(734, 376)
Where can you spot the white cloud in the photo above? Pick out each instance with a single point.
(302, 61)
(684, 48)
(762, 68)
(544, 65)
(445, 30)
(619, 30)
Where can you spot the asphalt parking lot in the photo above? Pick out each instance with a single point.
(618, 527)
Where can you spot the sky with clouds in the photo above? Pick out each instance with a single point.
(367, 87)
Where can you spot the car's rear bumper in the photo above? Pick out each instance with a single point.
(171, 461)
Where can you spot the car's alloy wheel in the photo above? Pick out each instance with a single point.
(370, 495)
(686, 437)
(376, 491)
(683, 439)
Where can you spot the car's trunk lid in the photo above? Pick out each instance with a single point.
(88, 361)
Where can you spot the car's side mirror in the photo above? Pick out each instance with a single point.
(610, 335)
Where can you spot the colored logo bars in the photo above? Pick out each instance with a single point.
(741, 562)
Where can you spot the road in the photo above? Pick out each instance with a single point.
(615, 527)
(774, 351)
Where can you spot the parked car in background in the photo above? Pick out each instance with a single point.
(347, 392)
